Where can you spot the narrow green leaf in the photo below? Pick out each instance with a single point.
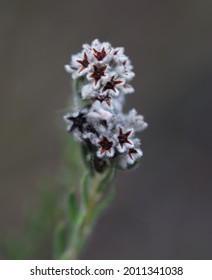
(73, 209)
(85, 186)
(104, 204)
(107, 179)
(60, 241)
(78, 227)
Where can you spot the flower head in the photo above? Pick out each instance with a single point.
(105, 69)
(104, 73)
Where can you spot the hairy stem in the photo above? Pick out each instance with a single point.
(87, 216)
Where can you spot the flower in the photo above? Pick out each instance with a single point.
(123, 140)
(104, 98)
(101, 51)
(106, 147)
(133, 155)
(111, 86)
(98, 73)
(75, 121)
(84, 62)
(80, 64)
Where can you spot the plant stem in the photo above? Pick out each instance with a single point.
(87, 217)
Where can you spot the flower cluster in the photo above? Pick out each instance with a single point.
(104, 73)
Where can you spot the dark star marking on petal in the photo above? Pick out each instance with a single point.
(111, 84)
(98, 73)
(78, 122)
(105, 144)
(102, 98)
(123, 137)
(132, 151)
(83, 62)
(99, 55)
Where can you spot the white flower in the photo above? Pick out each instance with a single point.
(105, 147)
(105, 100)
(113, 86)
(102, 52)
(76, 121)
(133, 154)
(124, 138)
(80, 64)
(96, 75)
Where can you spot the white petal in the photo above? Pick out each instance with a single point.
(68, 68)
(87, 91)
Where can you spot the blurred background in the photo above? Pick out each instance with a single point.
(163, 209)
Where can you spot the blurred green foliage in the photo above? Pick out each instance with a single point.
(35, 240)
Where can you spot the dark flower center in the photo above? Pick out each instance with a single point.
(111, 84)
(104, 98)
(122, 138)
(84, 63)
(106, 144)
(78, 122)
(132, 151)
(99, 55)
(98, 73)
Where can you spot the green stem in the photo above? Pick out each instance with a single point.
(87, 217)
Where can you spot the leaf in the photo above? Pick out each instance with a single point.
(104, 204)
(73, 209)
(85, 185)
(79, 224)
(107, 179)
(84, 153)
(60, 240)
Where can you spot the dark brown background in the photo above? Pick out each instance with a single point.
(163, 210)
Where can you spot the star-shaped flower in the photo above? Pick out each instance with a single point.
(123, 140)
(104, 98)
(100, 55)
(98, 73)
(76, 122)
(83, 62)
(106, 147)
(133, 154)
(111, 84)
